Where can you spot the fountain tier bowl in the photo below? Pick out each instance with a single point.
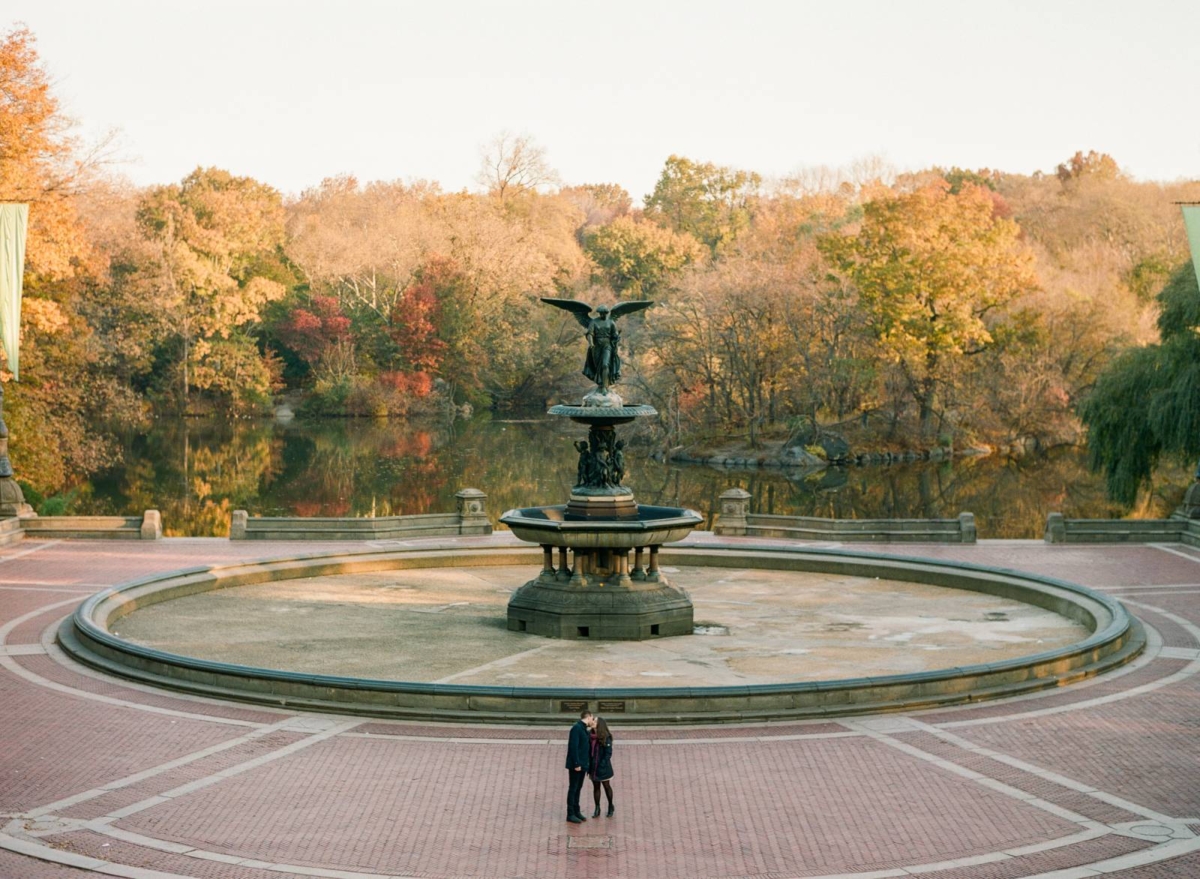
(555, 526)
(602, 416)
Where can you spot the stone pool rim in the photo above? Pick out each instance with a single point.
(1116, 637)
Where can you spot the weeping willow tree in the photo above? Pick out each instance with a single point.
(1146, 405)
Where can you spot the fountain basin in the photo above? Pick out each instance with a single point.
(1115, 638)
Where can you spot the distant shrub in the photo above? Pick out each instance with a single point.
(57, 505)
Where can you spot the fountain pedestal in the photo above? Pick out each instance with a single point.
(589, 586)
(593, 589)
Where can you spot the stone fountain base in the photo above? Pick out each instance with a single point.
(609, 611)
(590, 587)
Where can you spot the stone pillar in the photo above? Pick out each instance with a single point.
(580, 569)
(735, 507)
(237, 525)
(151, 525)
(622, 566)
(547, 561)
(564, 570)
(12, 500)
(638, 572)
(472, 512)
(1056, 528)
(966, 527)
(652, 568)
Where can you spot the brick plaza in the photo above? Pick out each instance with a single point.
(100, 776)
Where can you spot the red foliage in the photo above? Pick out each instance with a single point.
(310, 333)
(415, 384)
(418, 315)
(1001, 209)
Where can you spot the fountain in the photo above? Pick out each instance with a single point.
(591, 591)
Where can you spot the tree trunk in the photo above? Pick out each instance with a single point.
(186, 352)
(927, 401)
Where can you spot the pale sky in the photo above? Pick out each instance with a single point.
(292, 92)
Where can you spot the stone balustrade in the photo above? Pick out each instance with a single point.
(147, 526)
(736, 520)
(470, 517)
(1177, 529)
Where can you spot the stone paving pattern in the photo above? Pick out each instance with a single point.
(104, 777)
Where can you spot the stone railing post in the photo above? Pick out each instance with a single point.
(735, 506)
(966, 527)
(1190, 509)
(237, 525)
(472, 512)
(151, 525)
(1056, 528)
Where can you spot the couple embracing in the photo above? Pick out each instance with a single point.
(589, 752)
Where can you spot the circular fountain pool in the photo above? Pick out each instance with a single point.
(785, 633)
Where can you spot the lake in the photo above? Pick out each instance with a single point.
(196, 472)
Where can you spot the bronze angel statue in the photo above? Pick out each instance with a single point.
(603, 364)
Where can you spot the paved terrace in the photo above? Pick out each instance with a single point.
(98, 776)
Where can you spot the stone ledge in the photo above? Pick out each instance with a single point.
(736, 520)
(148, 526)
(1178, 529)
(469, 519)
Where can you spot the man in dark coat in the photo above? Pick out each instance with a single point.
(579, 755)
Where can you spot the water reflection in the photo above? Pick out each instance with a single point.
(197, 472)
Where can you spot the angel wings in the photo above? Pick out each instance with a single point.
(582, 310)
(603, 363)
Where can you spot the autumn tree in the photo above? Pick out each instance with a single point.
(639, 259)
(930, 268)
(1093, 165)
(363, 243)
(513, 164)
(710, 202)
(314, 328)
(421, 331)
(376, 248)
(41, 163)
(600, 203)
(52, 410)
(209, 230)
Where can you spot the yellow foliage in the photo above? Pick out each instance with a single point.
(37, 159)
(44, 315)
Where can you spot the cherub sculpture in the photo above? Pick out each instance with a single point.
(603, 364)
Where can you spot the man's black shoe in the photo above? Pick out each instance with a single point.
(574, 819)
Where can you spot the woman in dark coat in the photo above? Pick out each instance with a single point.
(601, 769)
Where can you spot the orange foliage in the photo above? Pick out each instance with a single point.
(415, 384)
(38, 163)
